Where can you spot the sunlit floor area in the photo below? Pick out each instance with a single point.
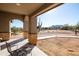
(19, 44)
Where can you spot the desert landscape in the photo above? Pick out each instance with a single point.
(62, 43)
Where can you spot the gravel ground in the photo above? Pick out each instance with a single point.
(60, 46)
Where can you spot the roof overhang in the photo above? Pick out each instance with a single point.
(31, 9)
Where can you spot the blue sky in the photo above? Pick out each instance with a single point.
(17, 23)
(64, 14)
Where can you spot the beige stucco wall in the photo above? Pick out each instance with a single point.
(26, 26)
(5, 18)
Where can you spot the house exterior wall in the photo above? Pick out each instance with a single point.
(5, 18)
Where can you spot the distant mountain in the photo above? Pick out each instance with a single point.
(56, 26)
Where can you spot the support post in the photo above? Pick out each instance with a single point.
(32, 36)
(26, 27)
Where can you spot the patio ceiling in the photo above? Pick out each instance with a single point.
(23, 9)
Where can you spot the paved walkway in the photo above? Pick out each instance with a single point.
(50, 36)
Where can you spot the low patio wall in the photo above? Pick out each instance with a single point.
(33, 38)
(5, 36)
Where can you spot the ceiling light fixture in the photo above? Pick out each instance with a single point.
(18, 4)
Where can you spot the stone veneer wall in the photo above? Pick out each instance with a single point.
(5, 36)
(33, 38)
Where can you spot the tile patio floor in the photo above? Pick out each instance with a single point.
(16, 44)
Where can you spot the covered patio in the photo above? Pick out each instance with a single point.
(26, 12)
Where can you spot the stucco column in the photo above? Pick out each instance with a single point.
(26, 26)
(32, 36)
